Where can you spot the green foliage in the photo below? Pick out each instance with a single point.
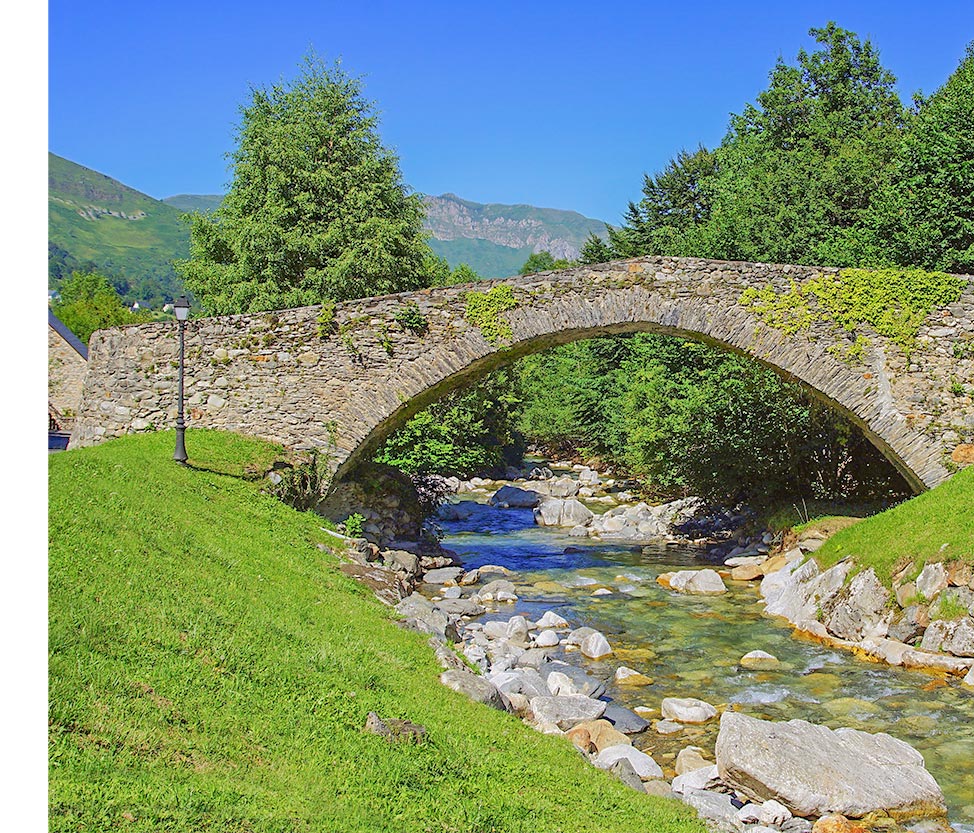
(210, 669)
(948, 606)
(483, 309)
(687, 418)
(316, 209)
(302, 486)
(674, 202)
(543, 262)
(892, 302)
(925, 216)
(411, 319)
(326, 318)
(88, 302)
(354, 524)
(596, 250)
(468, 432)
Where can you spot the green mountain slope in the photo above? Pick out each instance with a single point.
(96, 222)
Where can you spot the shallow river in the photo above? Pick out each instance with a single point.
(690, 646)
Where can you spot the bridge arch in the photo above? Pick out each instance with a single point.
(343, 381)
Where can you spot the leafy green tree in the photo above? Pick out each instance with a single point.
(674, 202)
(542, 262)
(926, 215)
(316, 210)
(468, 432)
(89, 302)
(797, 173)
(596, 250)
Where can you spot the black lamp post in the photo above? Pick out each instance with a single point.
(181, 308)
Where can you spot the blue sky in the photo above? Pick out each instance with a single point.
(562, 105)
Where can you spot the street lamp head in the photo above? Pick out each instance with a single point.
(181, 308)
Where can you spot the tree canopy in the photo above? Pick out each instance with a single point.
(88, 302)
(316, 209)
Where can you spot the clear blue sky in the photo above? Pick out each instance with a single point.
(562, 105)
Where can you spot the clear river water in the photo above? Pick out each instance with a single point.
(690, 646)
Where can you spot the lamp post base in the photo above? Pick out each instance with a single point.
(180, 455)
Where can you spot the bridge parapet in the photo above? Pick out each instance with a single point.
(342, 380)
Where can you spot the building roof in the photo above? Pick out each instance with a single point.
(66, 334)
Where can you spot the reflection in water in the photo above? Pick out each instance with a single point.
(691, 645)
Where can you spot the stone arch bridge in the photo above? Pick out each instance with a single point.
(342, 380)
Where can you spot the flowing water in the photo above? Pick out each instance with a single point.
(691, 645)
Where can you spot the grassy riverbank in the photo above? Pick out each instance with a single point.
(210, 669)
(935, 526)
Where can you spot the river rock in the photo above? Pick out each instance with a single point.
(444, 575)
(560, 684)
(969, 679)
(597, 734)
(429, 618)
(550, 619)
(690, 758)
(460, 607)
(932, 580)
(533, 658)
(908, 624)
(500, 590)
(587, 684)
(814, 770)
(687, 710)
(759, 661)
(668, 727)
(595, 646)
(625, 772)
(716, 807)
(625, 720)
(474, 687)
(746, 572)
(642, 763)
(524, 681)
(860, 609)
(559, 487)
(513, 497)
(629, 676)
(802, 593)
(918, 658)
(561, 512)
(547, 639)
(954, 636)
(698, 582)
(579, 635)
(704, 778)
(566, 711)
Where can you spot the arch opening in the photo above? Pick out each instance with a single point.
(507, 356)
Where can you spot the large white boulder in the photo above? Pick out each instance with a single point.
(813, 770)
(699, 582)
(687, 710)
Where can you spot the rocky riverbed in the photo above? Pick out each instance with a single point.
(669, 673)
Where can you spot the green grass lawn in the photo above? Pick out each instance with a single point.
(210, 669)
(935, 526)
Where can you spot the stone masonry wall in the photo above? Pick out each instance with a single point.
(66, 370)
(288, 378)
